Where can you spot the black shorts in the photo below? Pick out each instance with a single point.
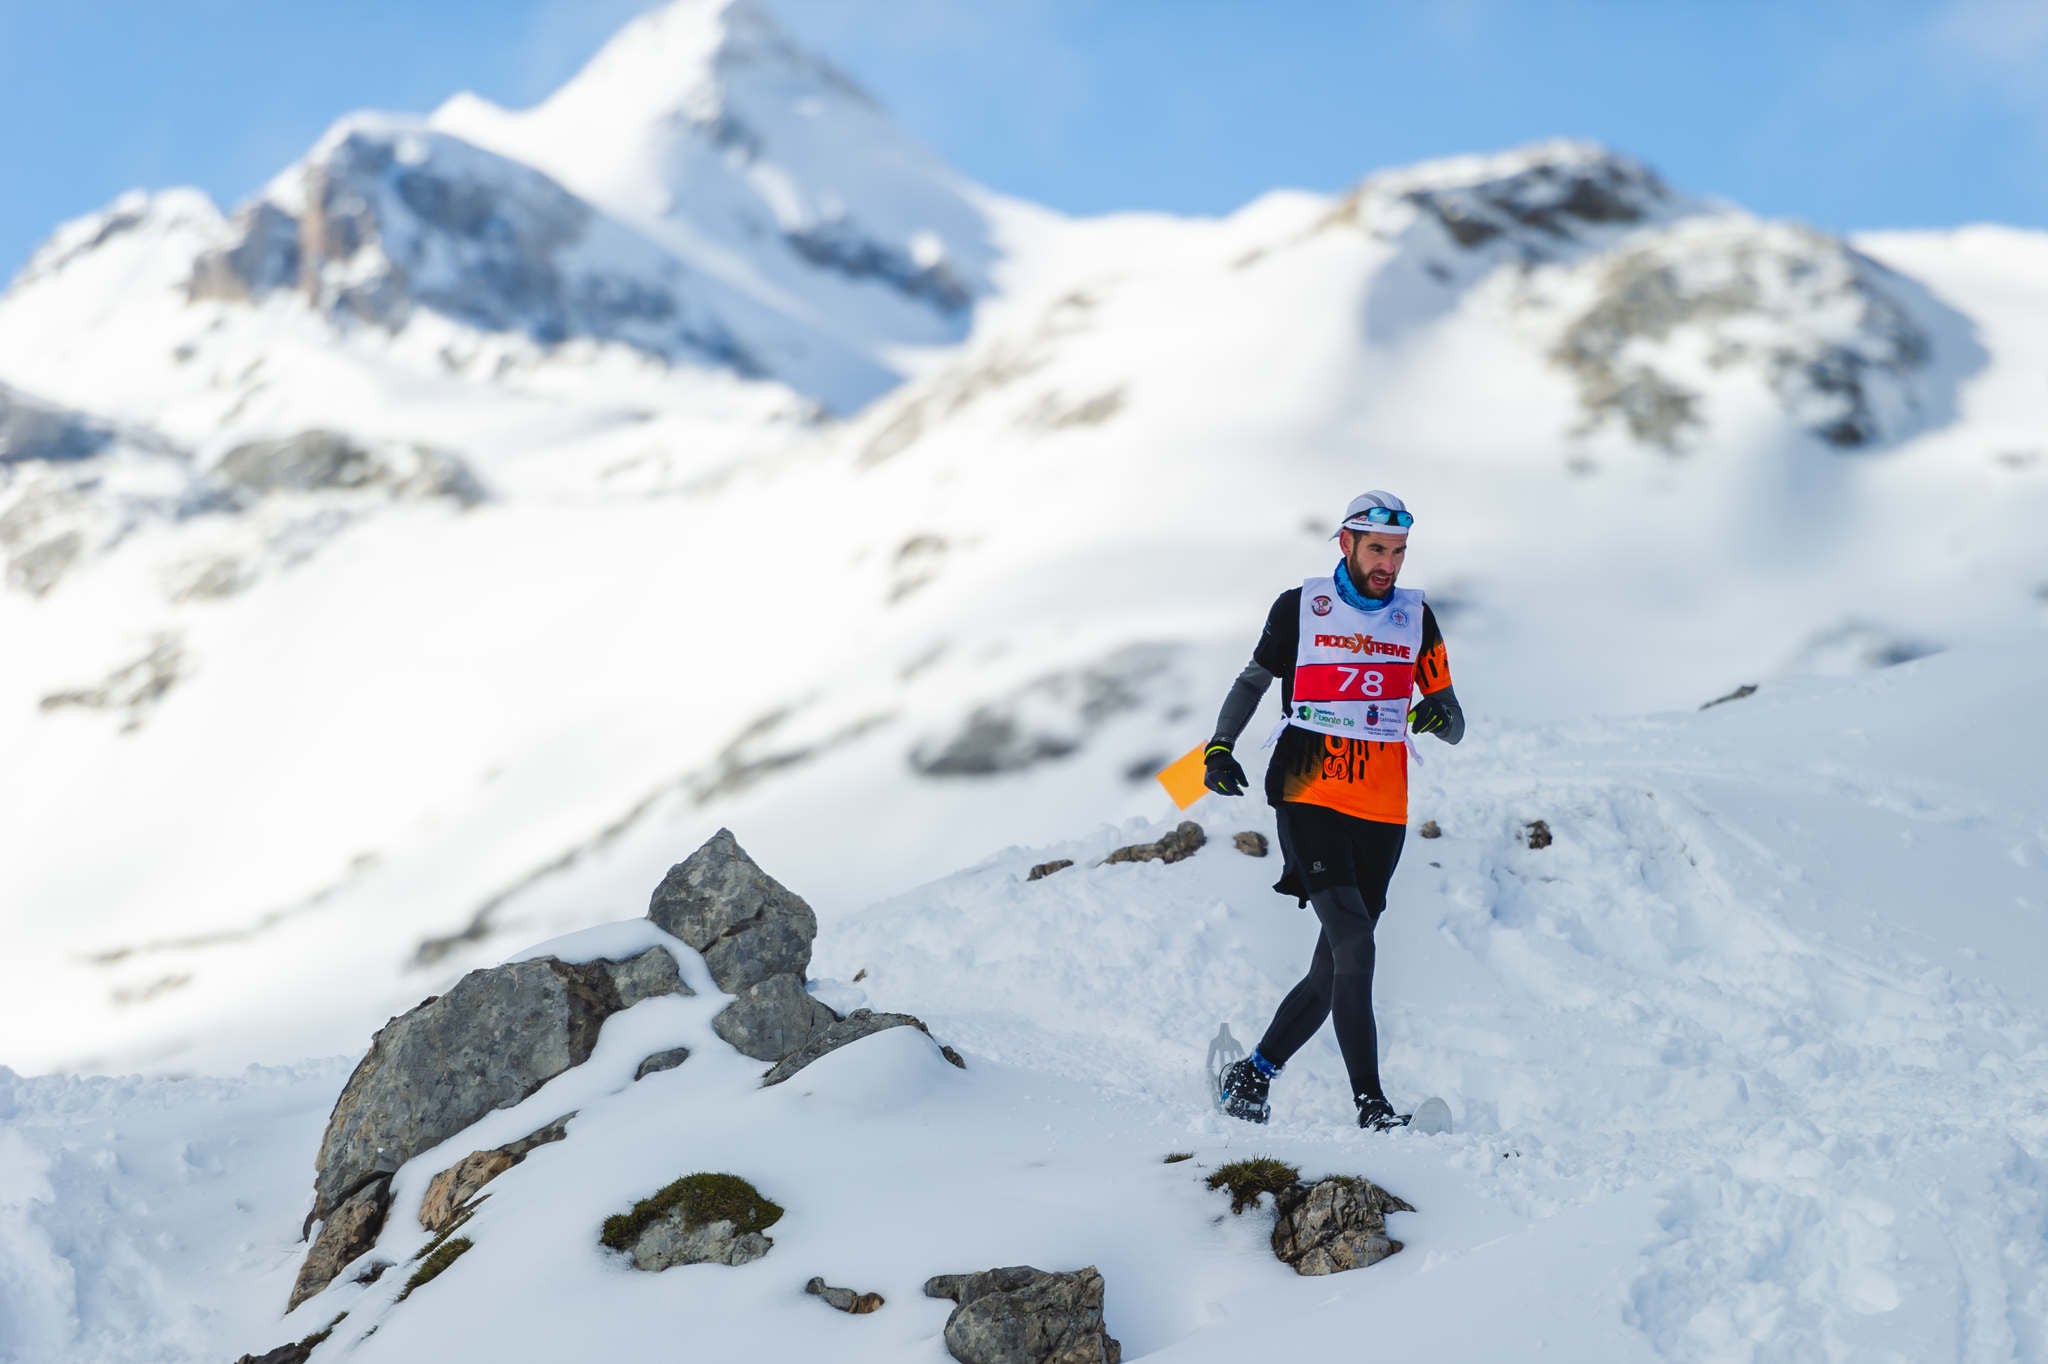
(1324, 847)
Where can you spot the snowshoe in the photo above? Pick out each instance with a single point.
(1379, 1115)
(1241, 1092)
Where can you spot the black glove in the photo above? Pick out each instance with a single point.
(1220, 772)
(1438, 714)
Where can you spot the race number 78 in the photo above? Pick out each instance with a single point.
(1364, 681)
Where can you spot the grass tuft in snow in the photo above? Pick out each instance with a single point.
(1247, 1179)
(313, 1341)
(1178, 1156)
(431, 1267)
(703, 1199)
(430, 1247)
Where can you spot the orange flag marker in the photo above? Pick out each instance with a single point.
(1182, 778)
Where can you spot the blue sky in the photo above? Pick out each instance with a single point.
(1881, 113)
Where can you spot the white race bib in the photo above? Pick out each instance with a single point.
(1354, 671)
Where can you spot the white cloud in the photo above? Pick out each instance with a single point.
(2001, 44)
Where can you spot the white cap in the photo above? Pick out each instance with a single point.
(1355, 514)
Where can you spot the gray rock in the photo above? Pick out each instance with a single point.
(841, 246)
(773, 1018)
(1050, 717)
(845, 1299)
(856, 1025)
(748, 925)
(651, 974)
(1746, 689)
(34, 430)
(498, 1035)
(449, 1192)
(660, 1061)
(1335, 1224)
(347, 1232)
(670, 1242)
(1045, 869)
(1249, 843)
(327, 461)
(1021, 1315)
(1186, 838)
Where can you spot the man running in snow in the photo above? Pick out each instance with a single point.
(1349, 649)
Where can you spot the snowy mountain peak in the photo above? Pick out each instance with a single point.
(689, 58)
(137, 212)
(707, 126)
(1540, 197)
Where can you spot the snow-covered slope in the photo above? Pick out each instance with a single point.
(1747, 1064)
(994, 601)
(425, 570)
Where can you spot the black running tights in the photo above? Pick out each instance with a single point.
(1339, 985)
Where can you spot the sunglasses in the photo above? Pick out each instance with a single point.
(1380, 516)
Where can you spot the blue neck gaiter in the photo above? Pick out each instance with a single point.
(1350, 593)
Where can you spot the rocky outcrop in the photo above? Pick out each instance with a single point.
(389, 218)
(346, 1232)
(134, 689)
(498, 1035)
(449, 1193)
(772, 1019)
(845, 1299)
(1823, 325)
(1537, 203)
(1045, 869)
(1021, 1315)
(327, 461)
(72, 486)
(1050, 717)
(34, 430)
(748, 925)
(755, 934)
(856, 1025)
(1335, 1224)
(1559, 199)
(1187, 837)
(840, 246)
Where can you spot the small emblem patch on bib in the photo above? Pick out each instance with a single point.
(1321, 606)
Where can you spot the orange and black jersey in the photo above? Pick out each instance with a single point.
(1358, 777)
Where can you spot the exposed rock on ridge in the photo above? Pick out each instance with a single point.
(1816, 319)
(388, 217)
(498, 1035)
(756, 937)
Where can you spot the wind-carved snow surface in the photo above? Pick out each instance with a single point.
(1746, 1065)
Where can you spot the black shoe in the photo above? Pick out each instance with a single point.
(1379, 1115)
(1242, 1092)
